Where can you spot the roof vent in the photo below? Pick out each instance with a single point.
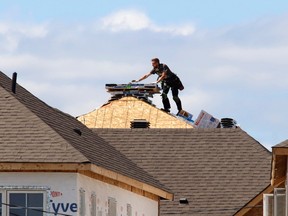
(14, 81)
(183, 201)
(140, 123)
(228, 123)
(78, 131)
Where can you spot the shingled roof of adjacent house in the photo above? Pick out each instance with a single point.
(283, 144)
(218, 170)
(33, 132)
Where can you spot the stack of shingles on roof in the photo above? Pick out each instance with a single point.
(218, 170)
(32, 131)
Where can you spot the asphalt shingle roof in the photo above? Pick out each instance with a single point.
(282, 144)
(32, 131)
(217, 170)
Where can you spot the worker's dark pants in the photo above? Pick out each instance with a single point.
(165, 99)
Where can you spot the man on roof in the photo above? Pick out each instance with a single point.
(168, 80)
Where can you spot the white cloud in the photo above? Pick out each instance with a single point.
(126, 20)
(12, 33)
(27, 30)
(275, 54)
(67, 97)
(183, 30)
(223, 73)
(254, 66)
(133, 20)
(69, 69)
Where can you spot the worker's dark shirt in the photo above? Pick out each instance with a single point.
(163, 68)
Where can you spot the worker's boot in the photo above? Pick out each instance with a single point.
(165, 110)
(178, 103)
(166, 102)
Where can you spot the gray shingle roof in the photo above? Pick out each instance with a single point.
(217, 170)
(282, 144)
(32, 131)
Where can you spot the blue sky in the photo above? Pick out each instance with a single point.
(205, 13)
(231, 55)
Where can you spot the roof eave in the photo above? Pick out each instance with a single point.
(259, 198)
(132, 182)
(93, 171)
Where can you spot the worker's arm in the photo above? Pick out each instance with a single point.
(162, 77)
(142, 78)
(164, 73)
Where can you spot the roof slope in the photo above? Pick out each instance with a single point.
(217, 170)
(119, 114)
(283, 144)
(24, 137)
(32, 131)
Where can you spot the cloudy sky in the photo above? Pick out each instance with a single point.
(231, 55)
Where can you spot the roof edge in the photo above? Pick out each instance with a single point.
(254, 201)
(283, 144)
(280, 150)
(257, 141)
(132, 182)
(90, 169)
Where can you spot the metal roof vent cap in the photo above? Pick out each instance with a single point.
(78, 131)
(228, 123)
(140, 123)
(183, 201)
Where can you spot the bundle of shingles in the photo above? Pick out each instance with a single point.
(140, 91)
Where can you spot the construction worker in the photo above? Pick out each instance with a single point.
(168, 80)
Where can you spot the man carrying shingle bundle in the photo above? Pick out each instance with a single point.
(168, 80)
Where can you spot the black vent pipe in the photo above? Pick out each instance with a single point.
(14, 81)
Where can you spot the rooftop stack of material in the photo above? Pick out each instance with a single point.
(140, 91)
(129, 102)
(206, 120)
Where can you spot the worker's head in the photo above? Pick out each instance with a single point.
(155, 62)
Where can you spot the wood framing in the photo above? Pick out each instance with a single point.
(120, 113)
(256, 200)
(278, 178)
(279, 165)
(280, 151)
(92, 171)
